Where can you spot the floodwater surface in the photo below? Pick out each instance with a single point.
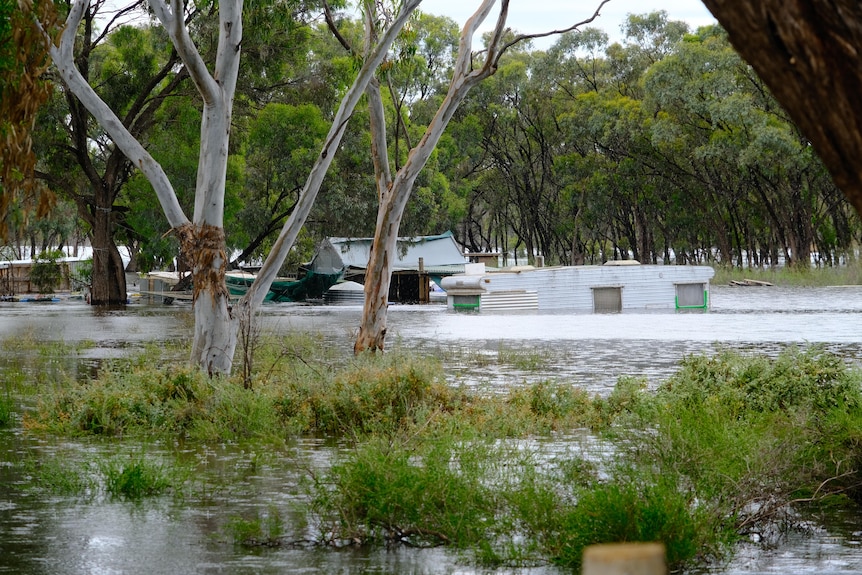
(167, 535)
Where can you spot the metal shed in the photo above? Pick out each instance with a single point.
(418, 260)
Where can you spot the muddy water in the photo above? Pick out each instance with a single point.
(97, 535)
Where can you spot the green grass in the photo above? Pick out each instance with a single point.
(850, 274)
(135, 477)
(262, 530)
(726, 446)
(132, 476)
(6, 409)
(61, 476)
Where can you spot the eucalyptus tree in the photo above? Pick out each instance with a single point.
(648, 38)
(521, 139)
(737, 145)
(134, 69)
(394, 191)
(202, 237)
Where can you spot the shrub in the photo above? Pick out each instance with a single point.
(46, 273)
(427, 493)
(374, 394)
(623, 511)
(752, 434)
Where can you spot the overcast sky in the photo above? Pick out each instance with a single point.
(532, 16)
(529, 16)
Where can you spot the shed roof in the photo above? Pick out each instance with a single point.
(435, 251)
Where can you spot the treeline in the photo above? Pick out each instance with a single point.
(664, 146)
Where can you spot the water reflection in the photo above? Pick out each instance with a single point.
(66, 536)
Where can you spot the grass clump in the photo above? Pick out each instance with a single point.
(373, 394)
(263, 530)
(62, 476)
(135, 477)
(6, 406)
(423, 493)
(131, 477)
(622, 510)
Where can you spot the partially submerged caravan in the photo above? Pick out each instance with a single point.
(613, 287)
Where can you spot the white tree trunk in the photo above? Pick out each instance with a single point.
(255, 295)
(394, 196)
(203, 242)
(202, 239)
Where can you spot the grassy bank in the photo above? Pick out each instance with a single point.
(729, 445)
(850, 274)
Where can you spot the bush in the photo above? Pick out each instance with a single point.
(135, 477)
(623, 511)
(373, 394)
(752, 434)
(46, 273)
(425, 493)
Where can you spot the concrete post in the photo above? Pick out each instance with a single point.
(625, 559)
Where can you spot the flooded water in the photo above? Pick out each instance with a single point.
(171, 536)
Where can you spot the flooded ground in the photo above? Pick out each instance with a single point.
(168, 535)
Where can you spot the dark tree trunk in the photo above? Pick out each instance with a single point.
(109, 276)
(809, 53)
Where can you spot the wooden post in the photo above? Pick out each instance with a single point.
(424, 288)
(625, 559)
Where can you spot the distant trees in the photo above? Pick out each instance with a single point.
(666, 147)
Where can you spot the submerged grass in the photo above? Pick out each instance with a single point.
(729, 444)
(263, 530)
(6, 408)
(133, 476)
(303, 390)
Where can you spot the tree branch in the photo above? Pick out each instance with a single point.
(522, 37)
(63, 56)
(174, 23)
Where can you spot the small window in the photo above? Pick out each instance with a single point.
(607, 300)
(691, 295)
(465, 301)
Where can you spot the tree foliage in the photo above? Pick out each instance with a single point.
(23, 89)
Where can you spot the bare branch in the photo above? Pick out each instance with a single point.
(174, 23)
(330, 23)
(523, 37)
(63, 56)
(119, 15)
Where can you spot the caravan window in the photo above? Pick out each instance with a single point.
(692, 295)
(607, 299)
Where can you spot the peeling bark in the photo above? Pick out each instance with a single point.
(216, 332)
